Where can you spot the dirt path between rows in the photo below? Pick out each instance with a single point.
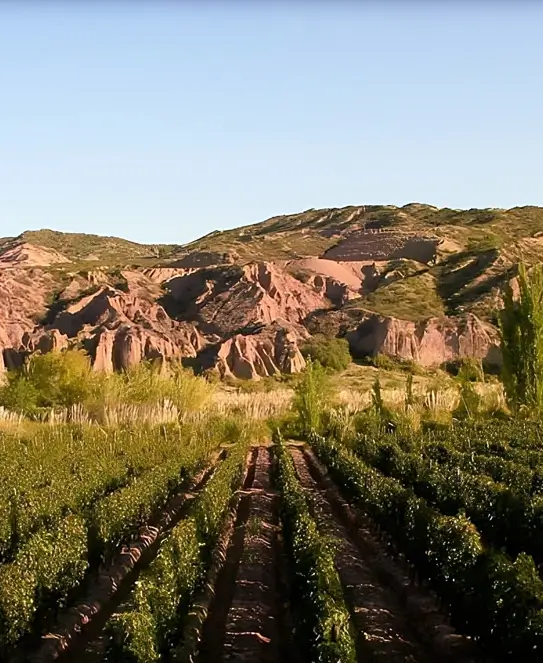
(248, 620)
(80, 626)
(394, 621)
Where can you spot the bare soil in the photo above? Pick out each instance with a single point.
(248, 620)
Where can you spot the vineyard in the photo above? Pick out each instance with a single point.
(208, 543)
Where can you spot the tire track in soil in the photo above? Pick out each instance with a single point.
(78, 632)
(247, 620)
(388, 626)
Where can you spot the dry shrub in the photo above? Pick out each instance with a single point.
(254, 406)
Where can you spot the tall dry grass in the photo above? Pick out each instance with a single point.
(9, 419)
(254, 406)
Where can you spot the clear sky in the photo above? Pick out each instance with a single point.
(161, 121)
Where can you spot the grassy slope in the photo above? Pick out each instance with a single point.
(479, 247)
(85, 247)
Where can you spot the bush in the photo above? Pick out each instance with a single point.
(53, 379)
(471, 402)
(331, 353)
(387, 363)
(63, 379)
(467, 368)
(322, 615)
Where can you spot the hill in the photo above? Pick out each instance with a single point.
(416, 282)
(83, 247)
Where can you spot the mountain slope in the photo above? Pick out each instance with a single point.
(241, 301)
(82, 247)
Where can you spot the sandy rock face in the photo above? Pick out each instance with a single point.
(126, 346)
(246, 321)
(29, 255)
(164, 274)
(49, 341)
(347, 279)
(119, 330)
(227, 300)
(23, 297)
(272, 351)
(429, 343)
(206, 259)
(387, 245)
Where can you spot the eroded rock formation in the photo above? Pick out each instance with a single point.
(228, 300)
(428, 343)
(121, 329)
(243, 320)
(271, 351)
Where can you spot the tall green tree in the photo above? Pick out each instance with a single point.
(521, 331)
(311, 396)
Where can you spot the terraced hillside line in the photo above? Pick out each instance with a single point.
(246, 620)
(385, 629)
(80, 625)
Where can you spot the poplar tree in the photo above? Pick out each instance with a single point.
(521, 332)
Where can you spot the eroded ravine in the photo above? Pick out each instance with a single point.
(386, 625)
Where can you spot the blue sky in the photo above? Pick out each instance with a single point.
(161, 121)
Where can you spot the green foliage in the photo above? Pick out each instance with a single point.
(80, 470)
(131, 638)
(466, 368)
(509, 516)
(323, 617)
(152, 618)
(331, 353)
(384, 362)
(147, 383)
(471, 401)
(84, 246)
(489, 597)
(64, 379)
(387, 363)
(381, 414)
(53, 379)
(411, 298)
(311, 397)
(210, 508)
(19, 394)
(145, 627)
(121, 513)
(44, 571)
(409, 395)
(521, 330)
(70, 494)
(377, 398)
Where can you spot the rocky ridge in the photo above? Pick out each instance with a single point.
(361, 273)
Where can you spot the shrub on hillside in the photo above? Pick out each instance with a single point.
(331, 353)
